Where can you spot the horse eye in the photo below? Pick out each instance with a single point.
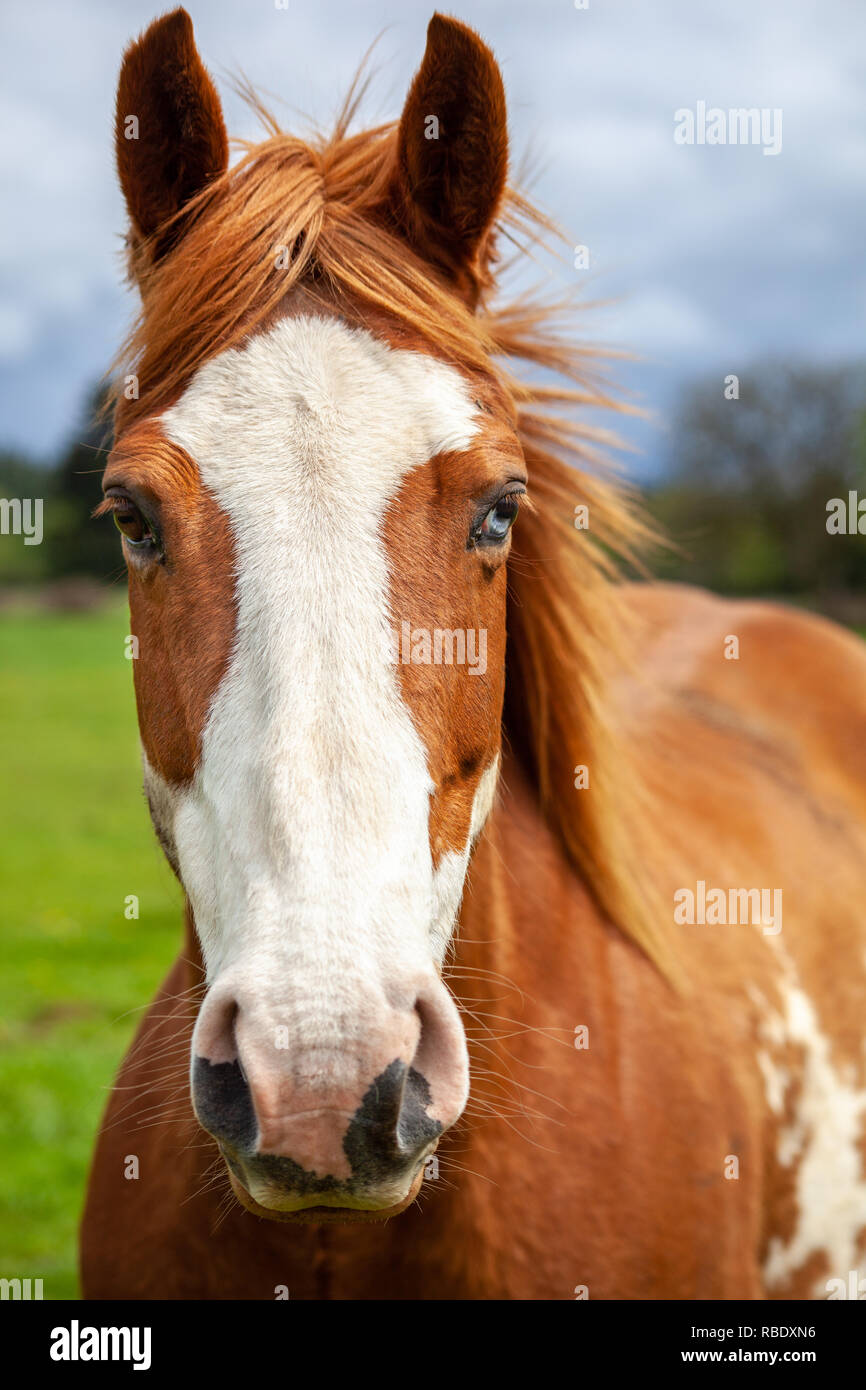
(499, 520)
(131, 524)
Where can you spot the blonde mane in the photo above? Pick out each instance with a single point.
(293, 214)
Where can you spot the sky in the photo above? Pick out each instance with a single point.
(709, 257)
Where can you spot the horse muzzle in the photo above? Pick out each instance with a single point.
(315, 1128)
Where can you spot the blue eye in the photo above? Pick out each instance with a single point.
(498, 521)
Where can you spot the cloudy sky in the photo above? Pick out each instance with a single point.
(715, 256)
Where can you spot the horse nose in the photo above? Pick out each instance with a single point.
(389, 1128)
(304, 1122)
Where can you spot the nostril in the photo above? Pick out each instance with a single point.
(416, 1128)
(224, 1104)
(441, 1057)
(391, 1126)
(435, 1051)
(221, 1094)
(214, 1036)
(422, 1047)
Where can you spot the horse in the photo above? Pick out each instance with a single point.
(524, 953)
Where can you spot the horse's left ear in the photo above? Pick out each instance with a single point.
(169, 137)
(452, 155)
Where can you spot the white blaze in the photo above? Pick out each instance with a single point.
(309, 808)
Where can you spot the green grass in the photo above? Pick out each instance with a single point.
(75, 841)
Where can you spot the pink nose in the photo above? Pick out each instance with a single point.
(342, 1111)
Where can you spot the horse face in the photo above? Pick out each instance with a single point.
(316, 533)
(316, 536)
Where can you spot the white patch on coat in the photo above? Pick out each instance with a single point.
(823, 1141)
(303, 838)
(450, 875)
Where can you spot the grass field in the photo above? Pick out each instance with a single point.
(75, 841)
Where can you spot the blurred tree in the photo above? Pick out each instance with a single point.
(749, 482)
(77, 544)
(73, 544)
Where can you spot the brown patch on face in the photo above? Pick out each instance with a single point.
(439, 582)
(182, 604)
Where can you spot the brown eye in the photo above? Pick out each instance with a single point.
(137, 530)
(131, 524)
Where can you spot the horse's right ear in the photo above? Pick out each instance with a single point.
(170, 137)
(451, 157)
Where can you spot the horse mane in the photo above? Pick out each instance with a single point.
(293, 213)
